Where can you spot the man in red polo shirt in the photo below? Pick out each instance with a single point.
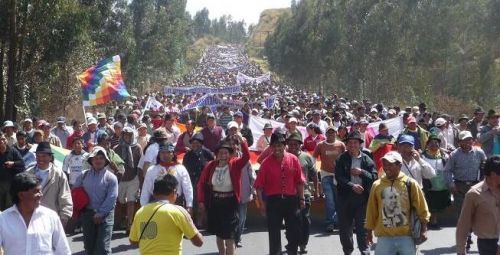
(281, 179)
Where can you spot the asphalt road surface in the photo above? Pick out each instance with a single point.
(255, 242)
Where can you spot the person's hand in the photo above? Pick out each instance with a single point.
(302, 203)
(262, 209)
(97, 219)
(9, 164)
(356, 171)
(369, 237)
(454, 190)
(416, 155)
(316, 194)
(423, 233)
(358, 189)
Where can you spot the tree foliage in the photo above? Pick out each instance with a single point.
(395, 51)
(224, 27)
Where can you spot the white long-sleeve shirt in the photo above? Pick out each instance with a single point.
(184, 186)
(43, 236)
(418, 169)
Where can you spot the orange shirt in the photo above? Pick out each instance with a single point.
(328, 153)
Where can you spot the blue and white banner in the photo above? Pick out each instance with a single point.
(202, 89)
(244, 79)
(213, 101)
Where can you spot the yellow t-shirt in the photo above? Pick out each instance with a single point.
(164, 232)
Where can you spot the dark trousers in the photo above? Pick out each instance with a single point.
(97, 238)
(279, 209)
(487, 246)
(351, 210)
(5, 199)
(305, 222)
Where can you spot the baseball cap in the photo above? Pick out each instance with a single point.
(393, 157)
(232, 124)
(61, 119)
(293, 119)
(464, 135)
(91, 121)
(406, 139)
(440, 122)
(411, 119)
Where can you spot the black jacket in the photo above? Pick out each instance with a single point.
(195, 161)
(247, 133)
(343, 174)
(11, 154)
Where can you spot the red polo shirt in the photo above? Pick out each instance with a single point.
(280, 177)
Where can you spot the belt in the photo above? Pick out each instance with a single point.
(223, 194)
(283, 196)
(467, 182)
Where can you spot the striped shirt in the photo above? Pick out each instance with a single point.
(464, 166)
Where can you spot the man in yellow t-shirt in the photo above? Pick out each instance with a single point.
(158, 227)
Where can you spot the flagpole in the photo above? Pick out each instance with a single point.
(84, 115)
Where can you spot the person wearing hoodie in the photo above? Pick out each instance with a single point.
(388, 209)
(128, 188)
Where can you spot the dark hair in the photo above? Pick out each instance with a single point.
(22, 182)
(492, 165)
(167, 117)
(158, 157)
(165, 184)
(77, 138)
(102, 136)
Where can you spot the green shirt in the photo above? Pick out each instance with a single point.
(308, 168)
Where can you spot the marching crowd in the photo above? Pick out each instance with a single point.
(192, 169)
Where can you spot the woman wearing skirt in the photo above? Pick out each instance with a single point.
(219, 193)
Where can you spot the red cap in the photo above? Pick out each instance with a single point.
(411, 119)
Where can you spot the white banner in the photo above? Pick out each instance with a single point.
(244, 79)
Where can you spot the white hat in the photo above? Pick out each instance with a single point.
(440, 122)
(393, 157)
(91, 121)
(8, 123)
(28, 120)
(293, 119)
(232, 124)
(464, 135)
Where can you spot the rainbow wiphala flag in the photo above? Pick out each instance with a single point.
(103, 82)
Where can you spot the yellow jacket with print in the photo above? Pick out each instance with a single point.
(388, 210)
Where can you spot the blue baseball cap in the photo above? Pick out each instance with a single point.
(167, 147)
(406, 139)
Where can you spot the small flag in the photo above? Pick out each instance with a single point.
(103, 82)
(152, 104)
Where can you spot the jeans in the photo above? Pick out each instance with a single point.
(305, 222)
(392, 245)
(330, 191)
(97, 238)
(277, 209)
(352, 209)
(242, 212)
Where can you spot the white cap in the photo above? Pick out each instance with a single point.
(393, 157)
(27, 120)
(232, 124)
(293, 119)
(440, 122)
(91, 121)
(464, 135)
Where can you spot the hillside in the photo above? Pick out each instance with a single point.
(267, 24)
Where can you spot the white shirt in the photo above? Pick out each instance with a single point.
(149, 156)
(418, 169)
(184, 186)
(221, 179)
(44, 234)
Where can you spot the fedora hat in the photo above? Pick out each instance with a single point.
(44, 147)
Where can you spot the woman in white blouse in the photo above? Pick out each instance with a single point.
(219, 191)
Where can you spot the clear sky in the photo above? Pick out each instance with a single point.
(249, 10)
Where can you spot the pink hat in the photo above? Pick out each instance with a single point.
(411, 119)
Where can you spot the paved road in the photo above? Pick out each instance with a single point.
(255, 243)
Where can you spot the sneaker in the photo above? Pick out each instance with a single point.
(239, 244)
